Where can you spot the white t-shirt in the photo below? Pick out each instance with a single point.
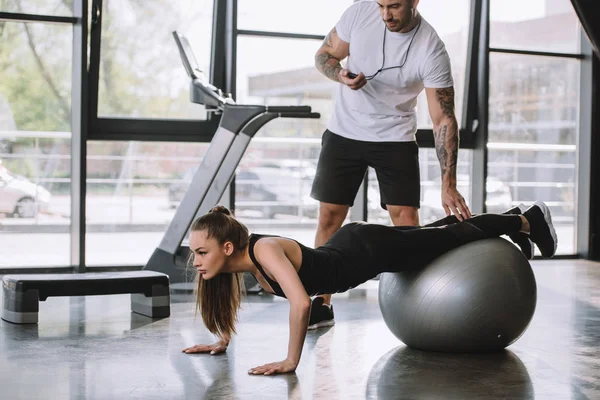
(384, 110)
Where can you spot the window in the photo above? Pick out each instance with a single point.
(133, 189)
(278, 71)
(309, 17)
(539, 25)
(533, 134)
(274, 178)
(273, 182)
(450, 19)
(59, 8)
(35, 144)
(141, 75)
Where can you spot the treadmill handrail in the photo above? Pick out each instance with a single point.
(314, 115)
(289, 109)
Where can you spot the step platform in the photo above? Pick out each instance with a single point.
(21, 294)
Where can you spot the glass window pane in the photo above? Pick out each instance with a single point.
(539, 25)
(273, 182)
(431, 196)
(450, 19)
(264, 76)
(59, 8)
(133, 189)
(315, 17)
(534, 108)
(141, 74)
(35, 144)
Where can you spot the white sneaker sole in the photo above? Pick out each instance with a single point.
(548, 218)
(322, 324)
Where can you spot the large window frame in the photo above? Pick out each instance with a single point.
(78, 126)
(473, 130)
(480, 155)
(130, 129)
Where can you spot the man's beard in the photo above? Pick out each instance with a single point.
(399, 24)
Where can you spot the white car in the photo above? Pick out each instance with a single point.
(20, 197)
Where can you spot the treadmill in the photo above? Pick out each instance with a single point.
(238, 125)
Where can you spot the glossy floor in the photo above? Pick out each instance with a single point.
(94, 348)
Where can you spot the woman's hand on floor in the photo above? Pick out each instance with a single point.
(215, 348)
(280, 367)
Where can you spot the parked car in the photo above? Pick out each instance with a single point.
(20, 197)
(262, 192)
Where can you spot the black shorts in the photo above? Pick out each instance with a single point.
(343, 163)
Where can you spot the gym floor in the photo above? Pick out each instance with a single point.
(95, 348)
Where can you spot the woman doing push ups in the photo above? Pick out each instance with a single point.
(223, 250)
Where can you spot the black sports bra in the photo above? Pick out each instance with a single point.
(251, 242)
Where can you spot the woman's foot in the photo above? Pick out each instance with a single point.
(521, 239)
(542, 231)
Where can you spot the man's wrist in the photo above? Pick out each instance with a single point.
(448, 184)
(338, 69)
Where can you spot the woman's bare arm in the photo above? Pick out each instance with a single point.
(272, 257)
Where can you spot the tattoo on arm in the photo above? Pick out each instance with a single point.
(445, 97)
(446, 137)
(325, 62)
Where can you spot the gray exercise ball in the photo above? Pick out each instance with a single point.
(478, 297)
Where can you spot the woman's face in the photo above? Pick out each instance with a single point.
(209, 256)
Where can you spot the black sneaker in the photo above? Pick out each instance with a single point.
(542, 231)
(320, 314)
(519, 238)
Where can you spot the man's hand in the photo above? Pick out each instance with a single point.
(353, 83)
(280, 367)
(454, 203)
(446, 136)
(215, 348)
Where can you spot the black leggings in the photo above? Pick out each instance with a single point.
(491, 225)
(421, 245)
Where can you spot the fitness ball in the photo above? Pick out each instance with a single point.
(478, 297)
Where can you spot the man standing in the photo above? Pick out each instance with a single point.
(392, 55)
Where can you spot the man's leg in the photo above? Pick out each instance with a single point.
(403, 215)
(398, 175)
(340, 171)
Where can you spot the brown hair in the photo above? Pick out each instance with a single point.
(219, 298)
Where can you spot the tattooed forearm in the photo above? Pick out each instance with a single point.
(446, 146)
(446, 136)
(445, 98)
(327, 64)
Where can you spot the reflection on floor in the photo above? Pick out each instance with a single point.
(94, 348)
